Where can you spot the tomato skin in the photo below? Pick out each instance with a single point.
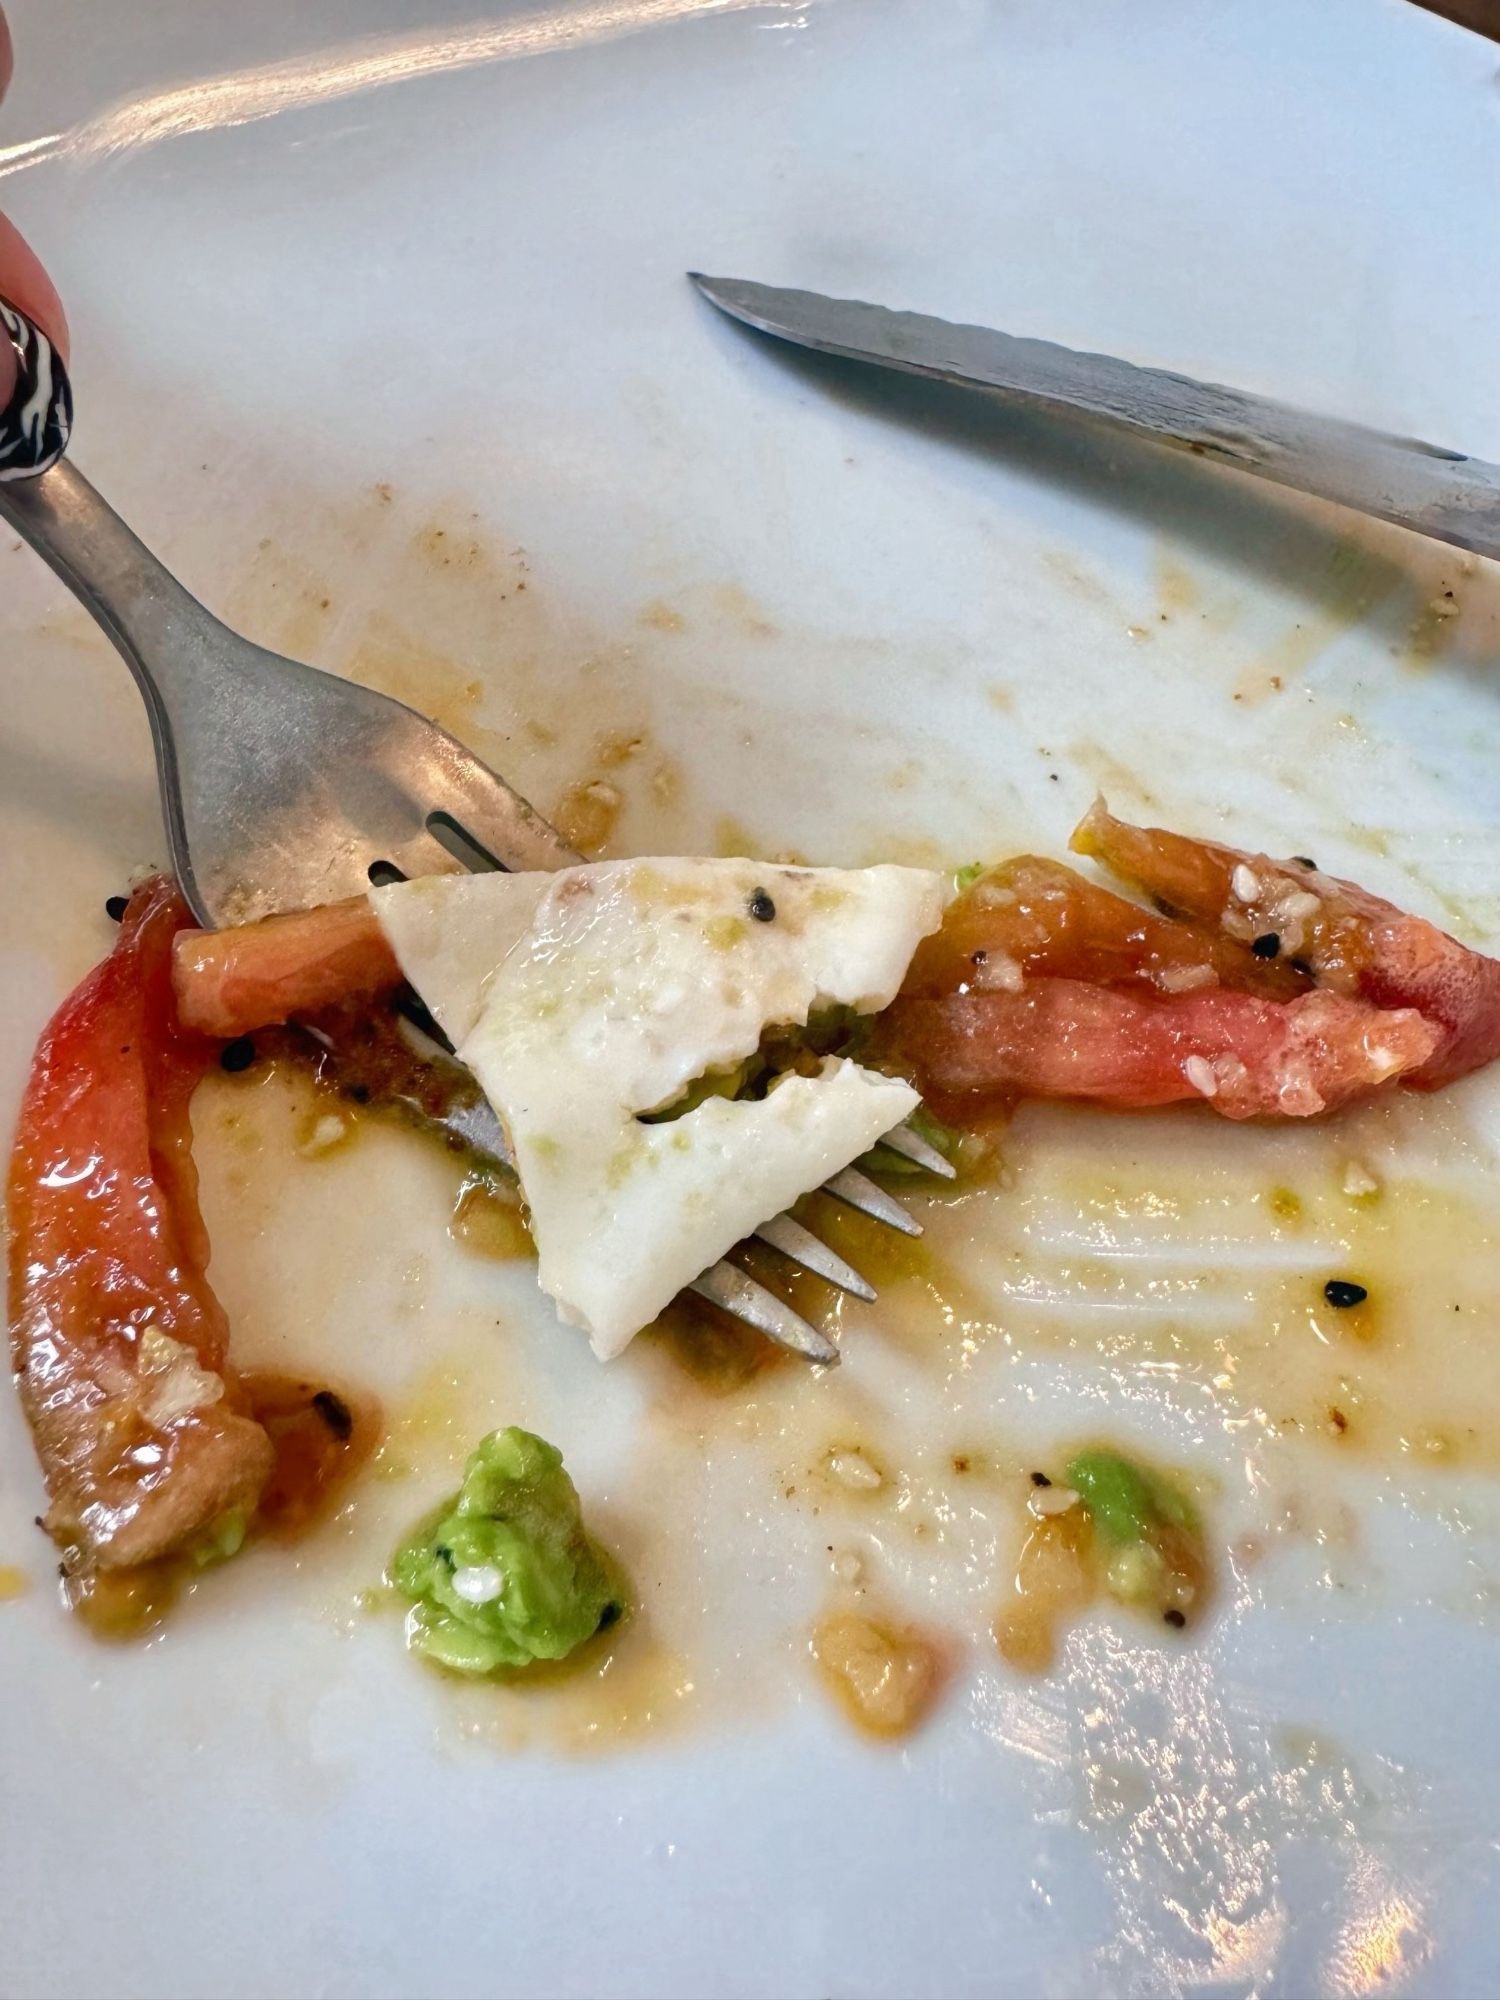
(250, 976)
(1352, 941)
(118, 1342)
(971, 1053)
(1047, 920)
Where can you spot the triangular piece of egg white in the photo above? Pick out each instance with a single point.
(585, 999)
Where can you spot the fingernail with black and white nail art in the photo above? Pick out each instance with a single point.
(38, 415)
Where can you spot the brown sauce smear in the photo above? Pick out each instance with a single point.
(322, 1438)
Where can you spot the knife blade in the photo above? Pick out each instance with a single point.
(1437, 492)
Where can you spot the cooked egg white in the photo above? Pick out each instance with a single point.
(585, 1000)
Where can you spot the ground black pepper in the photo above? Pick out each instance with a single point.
(336, 1413)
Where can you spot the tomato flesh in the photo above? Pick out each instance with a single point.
(251, 976)
(118, 1342)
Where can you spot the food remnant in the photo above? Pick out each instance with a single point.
(489, 1219)
(1358, 1182)
(13, 1582)
(1343, 1293)
(504, 1574)
(229, 983)
(886, 1676)
(321, 1436)
(1054, 1582)
(1262, 988)
(591, 1001)
(1114, 1526)
(848, 1466)
(587, 813)
(322, 1132)
(143, 1430)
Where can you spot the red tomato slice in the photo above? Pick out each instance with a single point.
(119, 1345)
(1040, 917)
(1351, 941)
(251, 976)
(1247, 1057)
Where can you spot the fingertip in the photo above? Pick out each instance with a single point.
(7, 54)
(27, 287)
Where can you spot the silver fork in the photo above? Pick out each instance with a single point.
(283, 786)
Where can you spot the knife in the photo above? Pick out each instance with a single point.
(1441, 493)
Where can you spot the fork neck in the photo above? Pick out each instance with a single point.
(138, 603)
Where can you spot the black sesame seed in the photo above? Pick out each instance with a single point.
(1266, 945)
(237, 1055)
(610, 1615)
(761, 907)
(978, 957)
(1344, 1292)
(1040, 1479)
(1305, 861)
(1301, 965)
(115, 908)
(444, 1555)
(358, 1093)
(336, 1413)
(1175, 1618)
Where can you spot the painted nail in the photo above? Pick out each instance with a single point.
(37, 415)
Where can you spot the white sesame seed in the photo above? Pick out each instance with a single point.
(999, 973)
(1045, 1501)
(1299, 906)
(849, 1466)
(324, 1134)
(1200, 1074)
(1358, 1180)
(993, 895)
(1185, 978)
(848, 1567)
(480, 1583)
(1244, 882)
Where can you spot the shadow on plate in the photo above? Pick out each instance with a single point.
(1336, 563)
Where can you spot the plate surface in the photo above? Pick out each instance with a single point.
(382, 341)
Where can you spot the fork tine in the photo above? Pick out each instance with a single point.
(485, 810)
(859, 1192)
(912, 1146)
(736, 1293)
(793, 1241)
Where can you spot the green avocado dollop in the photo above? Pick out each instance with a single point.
(504, 1574)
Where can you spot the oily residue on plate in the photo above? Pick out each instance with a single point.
(1104, 1275)
(1112, 1274)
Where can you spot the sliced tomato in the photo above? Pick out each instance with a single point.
(119, 1344)
(231, 982)
(1246, 1056)
(1351, 942)
(1034, 916)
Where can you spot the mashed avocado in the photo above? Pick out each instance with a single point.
(504, 1573)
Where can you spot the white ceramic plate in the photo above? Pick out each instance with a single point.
(382, 340)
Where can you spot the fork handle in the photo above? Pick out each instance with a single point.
(143, 608)
(114, 576)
